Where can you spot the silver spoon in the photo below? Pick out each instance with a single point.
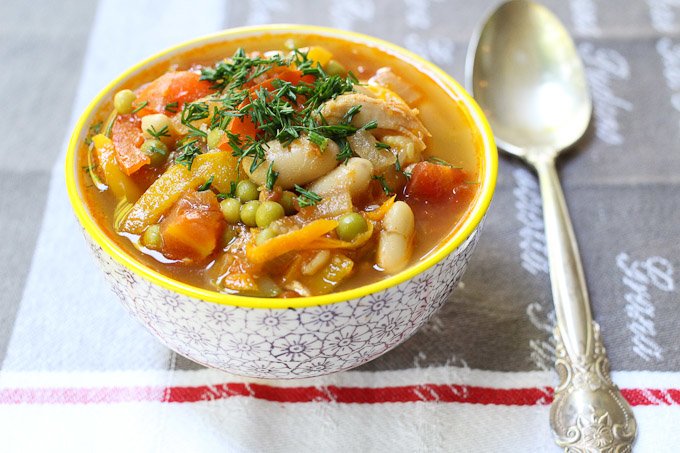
(524, 71)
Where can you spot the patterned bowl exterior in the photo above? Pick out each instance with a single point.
(287, 343)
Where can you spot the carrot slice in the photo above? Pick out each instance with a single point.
(434, 182)
(127, 137)
(191, 230)
(379, 213)
(295, 240)
(173, 87)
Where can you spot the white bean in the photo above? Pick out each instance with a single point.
(396, 238)
(354, 176)
(300, 163)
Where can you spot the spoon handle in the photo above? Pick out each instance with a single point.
(588, 412)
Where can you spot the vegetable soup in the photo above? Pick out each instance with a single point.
(280, 166)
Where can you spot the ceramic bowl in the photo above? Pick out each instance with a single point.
(287, 338)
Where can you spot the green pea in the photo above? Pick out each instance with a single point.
(156, 150)
(350, 226)
(267, 213)
(215, 137)
(334, 67)
(231, 209)
(152, 237)
(288, 202)
(123, 100)
(248, 212)
(246, 190)
(265, 235)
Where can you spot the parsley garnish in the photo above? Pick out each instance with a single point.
(438, 161)
(306, 197)
(280, 110)
(206, 185)
(271, 177)
(381, 145)
(195, 111)
(164, 132)
(156, 150)
(319, 140)
(231, 194)
(187, 152)
(345, 151)
(347, 118)
(94, 130)
(172, 107)
(383, 183)
(139, 107)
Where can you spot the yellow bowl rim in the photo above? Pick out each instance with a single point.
(469, 225)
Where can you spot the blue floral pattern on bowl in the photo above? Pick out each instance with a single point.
(287, 343)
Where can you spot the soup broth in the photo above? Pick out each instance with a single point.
(331, 248)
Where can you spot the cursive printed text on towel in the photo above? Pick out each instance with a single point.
(639, 276)
(542, 351)
(605, 66)
(533, 254)
(670, 56)
(584, 17)
(663, 16)
(534, 259)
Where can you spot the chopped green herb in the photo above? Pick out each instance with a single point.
(164, 132)
(271, 177)
(139, 107)
(282, 112)
(319, 140)
(94, 130)
(306, 197)
(231, 194)
(156, 150)
(370, 125)
(345, 151)
(195, 111)
(187, 152)
(206, 185)
(347, 118)
(438, 161)
(381, 145)
(383, 183)
(172, 107)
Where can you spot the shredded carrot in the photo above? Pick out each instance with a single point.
(379, 213)
(295, 240)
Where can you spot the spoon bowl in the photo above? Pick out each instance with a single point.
(528, 78)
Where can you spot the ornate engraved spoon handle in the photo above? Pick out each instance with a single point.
(588, 413)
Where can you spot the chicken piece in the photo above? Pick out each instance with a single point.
(390, 114)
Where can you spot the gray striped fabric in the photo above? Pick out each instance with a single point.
(622, 185)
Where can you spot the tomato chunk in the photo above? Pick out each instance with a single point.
(173, 87)
(193, 227)
(434, 182)
(127, 137)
